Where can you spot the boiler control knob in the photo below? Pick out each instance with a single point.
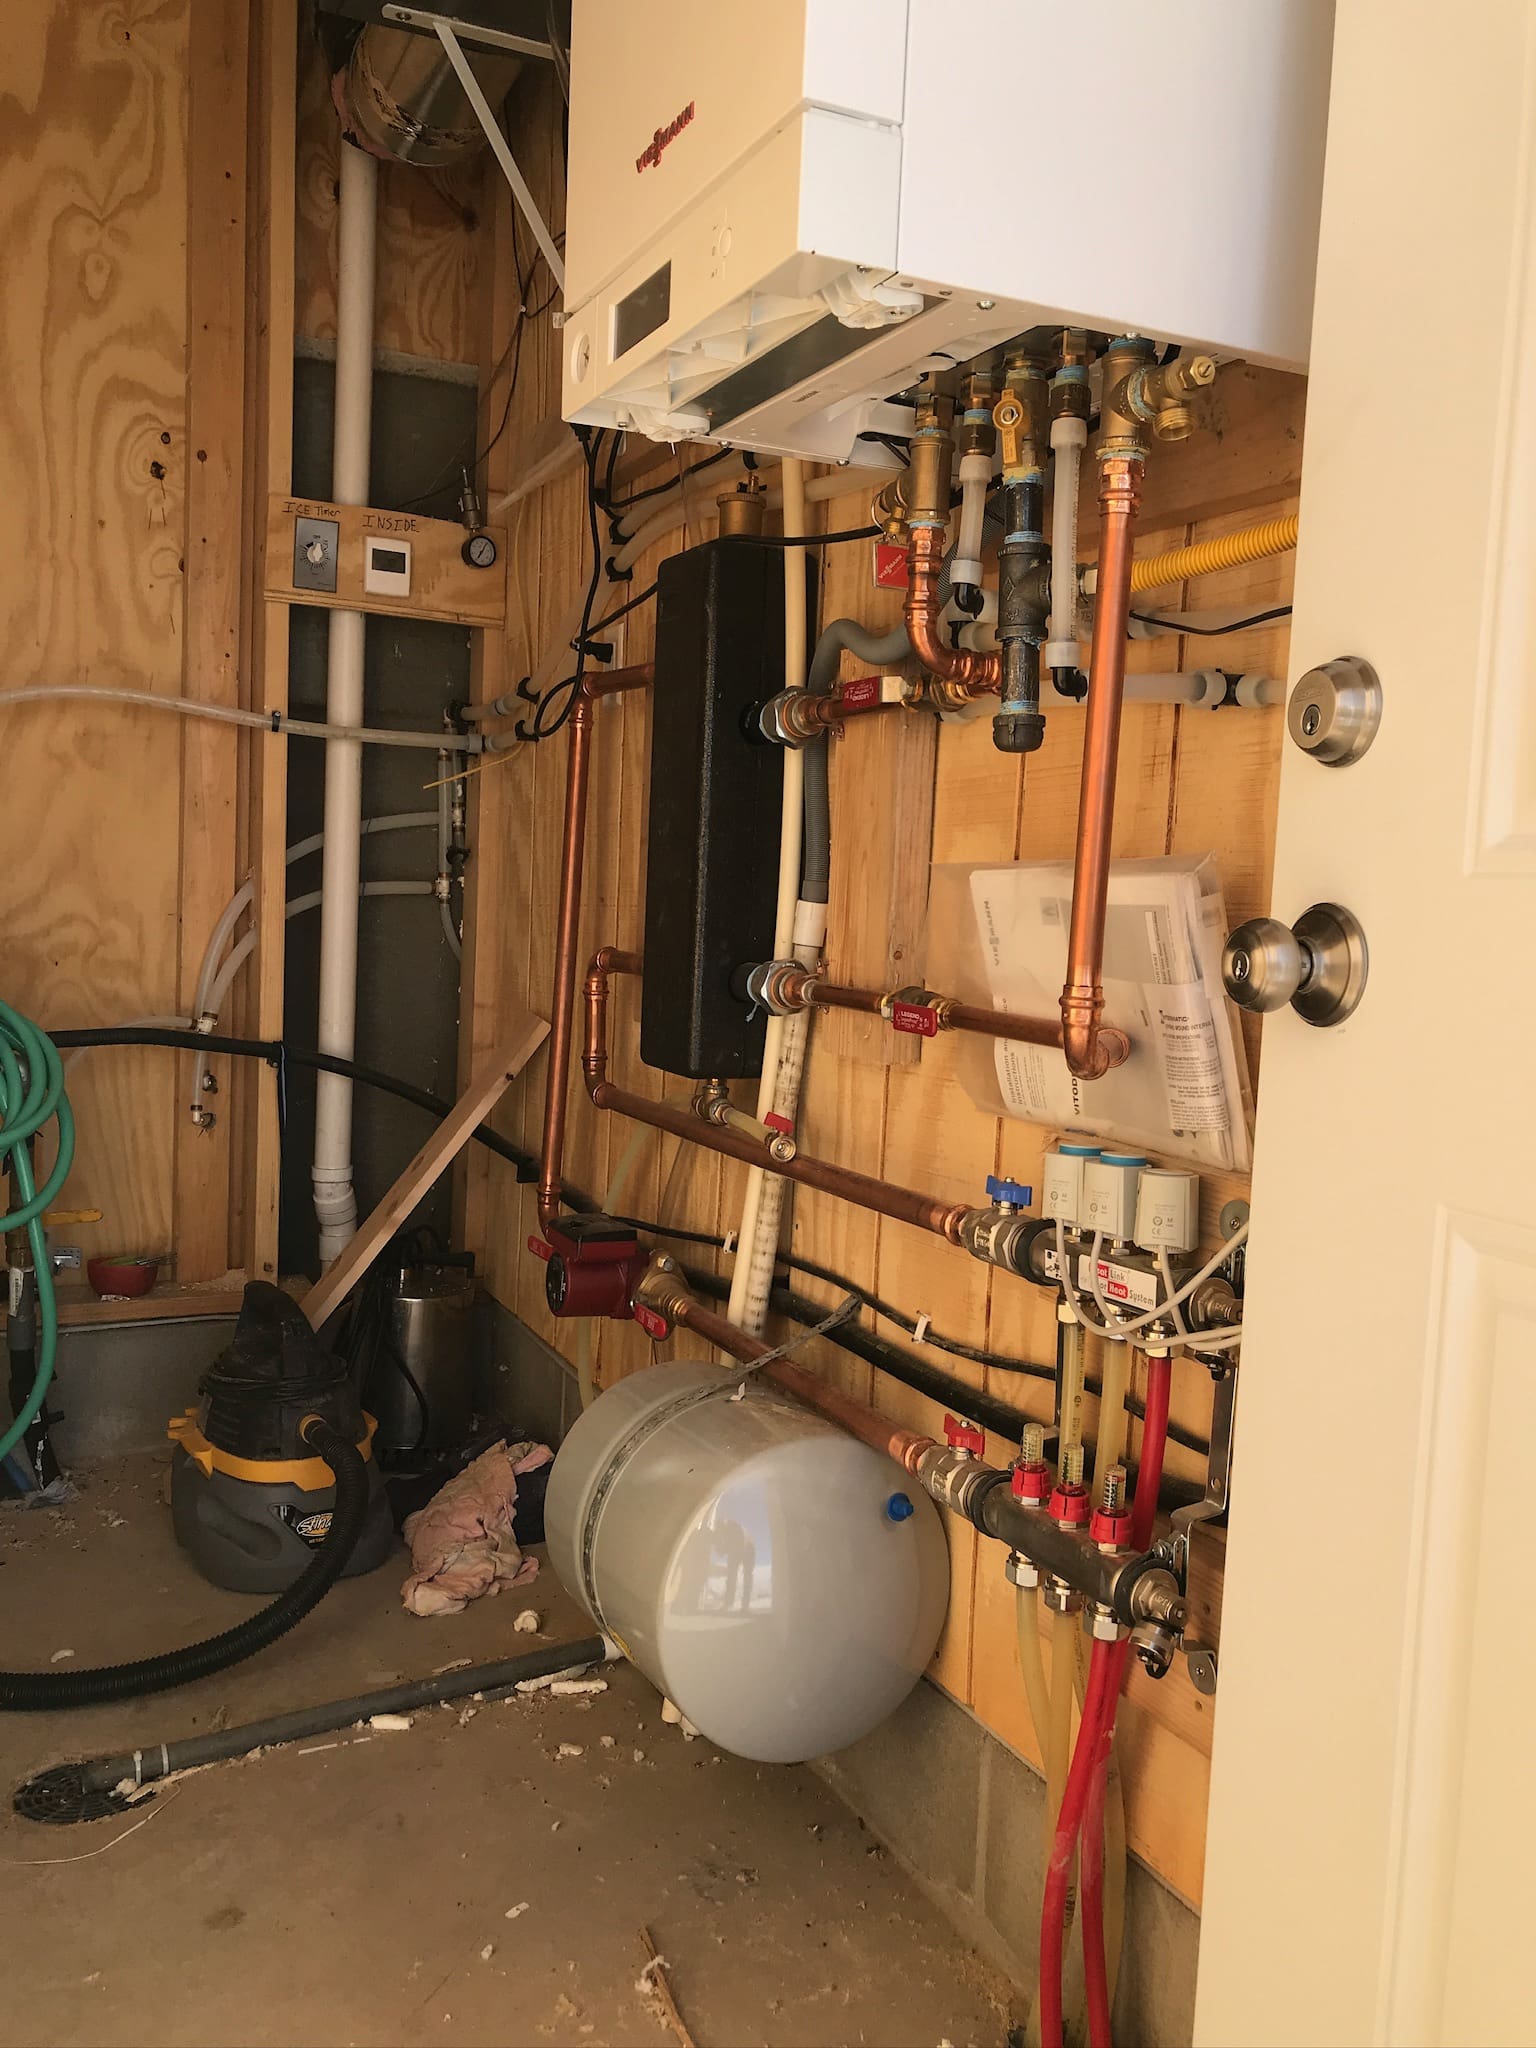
(1319, 967)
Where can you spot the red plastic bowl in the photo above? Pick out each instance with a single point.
(126, 1275)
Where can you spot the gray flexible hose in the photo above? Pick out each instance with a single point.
(842, 635)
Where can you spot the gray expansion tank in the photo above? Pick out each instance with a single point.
(783, 1584)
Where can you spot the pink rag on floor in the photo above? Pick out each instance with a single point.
(461, 1542)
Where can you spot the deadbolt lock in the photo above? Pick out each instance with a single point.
(1335, 710)
(1318, 967)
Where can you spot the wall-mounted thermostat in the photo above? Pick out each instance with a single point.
(386, 566)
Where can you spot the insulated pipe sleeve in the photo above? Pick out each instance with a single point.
(880, 650)
(160, 1759)
(33, 1692)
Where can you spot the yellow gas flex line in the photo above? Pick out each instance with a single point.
(1248, 544)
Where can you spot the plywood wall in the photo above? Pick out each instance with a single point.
(119, 530)
(430, 245)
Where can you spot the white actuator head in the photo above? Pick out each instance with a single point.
(1168, 1210)
(1109, 1193)
(1061, 1183)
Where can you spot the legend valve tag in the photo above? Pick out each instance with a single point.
(890, 565)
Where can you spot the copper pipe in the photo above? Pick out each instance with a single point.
(803, 990)
(975, 674)
(639, 676)
(906, 1446)
(562, 1000)
(886, 1198)
(605, 961)
(661, 1290)
(905, 1205)
(1082, 997)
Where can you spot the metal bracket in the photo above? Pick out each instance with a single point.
(448, 29)
(1174, 1548)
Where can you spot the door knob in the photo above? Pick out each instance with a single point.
(1318, 966)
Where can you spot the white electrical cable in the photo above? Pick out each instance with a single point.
(1165, 1272)
(229, 917)
(232, 714)
(207, 1018)
(1118, 1330)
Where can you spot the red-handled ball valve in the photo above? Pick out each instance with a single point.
(964, 1436)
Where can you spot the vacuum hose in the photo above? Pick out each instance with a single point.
(32, 1692)
(32, 1093)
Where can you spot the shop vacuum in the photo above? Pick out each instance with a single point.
(251, 1500)
(273, 1489)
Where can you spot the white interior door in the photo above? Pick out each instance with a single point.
(1369, 1870)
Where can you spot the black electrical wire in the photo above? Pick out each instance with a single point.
(1279, 611)
(1001, 1417)
(623, 611)
(615, 507)
(277, 1052)
(569, 687)
(468, 457)
(802, 540)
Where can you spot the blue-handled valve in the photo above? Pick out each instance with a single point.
(1010, 1194)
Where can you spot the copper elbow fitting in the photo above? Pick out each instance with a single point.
(1092, 1048)
(975, 674)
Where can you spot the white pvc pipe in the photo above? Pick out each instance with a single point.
(357, 225)
(1069, 437)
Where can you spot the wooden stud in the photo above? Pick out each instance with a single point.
(214, 460)
(525, 1035)
(443, 585)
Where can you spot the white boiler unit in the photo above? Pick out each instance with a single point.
(779, 215)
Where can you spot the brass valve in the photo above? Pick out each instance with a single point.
(1158, 394)
(1021, 416)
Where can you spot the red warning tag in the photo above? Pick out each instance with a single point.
(652, 1324)
(916, 1018)
(890, 565)
(861, 694)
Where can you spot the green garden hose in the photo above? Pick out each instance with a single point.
(32, 1092)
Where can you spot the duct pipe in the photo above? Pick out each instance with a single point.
(357, 223)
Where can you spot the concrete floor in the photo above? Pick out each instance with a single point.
(360, 1893)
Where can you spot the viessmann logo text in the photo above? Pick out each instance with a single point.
(651, 154)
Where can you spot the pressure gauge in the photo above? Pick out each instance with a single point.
(479, 551)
